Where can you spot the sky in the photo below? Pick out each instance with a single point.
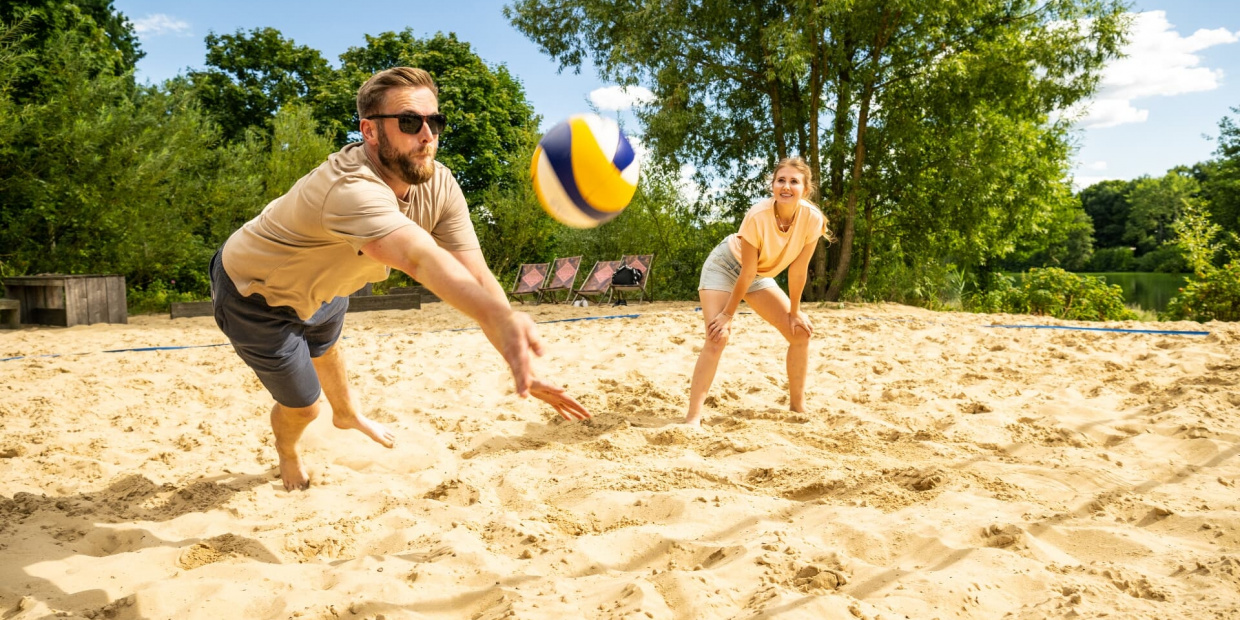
(1157, 108)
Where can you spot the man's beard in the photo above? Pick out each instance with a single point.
(403, 164)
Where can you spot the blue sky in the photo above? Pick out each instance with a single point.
(1154, 110)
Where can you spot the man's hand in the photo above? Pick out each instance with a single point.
(555, 396)
(516, 338)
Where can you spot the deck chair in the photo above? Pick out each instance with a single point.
(598, 281)
(636, 261)
(562, 278)
(530, 278)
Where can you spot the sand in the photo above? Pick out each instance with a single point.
(946, 469)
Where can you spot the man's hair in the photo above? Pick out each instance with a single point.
(371, 95)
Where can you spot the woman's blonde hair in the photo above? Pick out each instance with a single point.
(798, 164)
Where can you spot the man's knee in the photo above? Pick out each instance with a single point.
(304, 414)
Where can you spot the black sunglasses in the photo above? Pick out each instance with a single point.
(412, 123)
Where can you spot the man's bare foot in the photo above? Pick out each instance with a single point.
(292, 473)
(693, 421)
(374, 430)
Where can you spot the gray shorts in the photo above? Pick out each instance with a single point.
(721, 271)
(276, 343)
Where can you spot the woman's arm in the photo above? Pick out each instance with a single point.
(798, 273)
(721, 324)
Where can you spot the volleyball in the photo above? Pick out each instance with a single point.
(584, 171)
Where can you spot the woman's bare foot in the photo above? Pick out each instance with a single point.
(692, 420)
(374, 430)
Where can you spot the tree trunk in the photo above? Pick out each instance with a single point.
(850, 216)
(777, 117)
(869, 243)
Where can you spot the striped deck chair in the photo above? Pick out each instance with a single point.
(636, 261)
(598, 281)
(530, 278)
(563, 277)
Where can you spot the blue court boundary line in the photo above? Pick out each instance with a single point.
(1105, 329)
(208, 346)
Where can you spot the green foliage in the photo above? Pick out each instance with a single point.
(1213, 296)
(511, 226)
(296, 149)
(1053, 292)
(1107, 205)
(1061, 238)
(1156, 203)
(1112, 259)
(1166, 258)
(249, 76)
(930, 119)
(915, 280)
(1213, 293)
(489, 119)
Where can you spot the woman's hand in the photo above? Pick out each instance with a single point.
(799, 320)
(719, 327)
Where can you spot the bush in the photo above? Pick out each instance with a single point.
(1112, 259)
(1053, 292)
(1166, 258)
(157, 297)
(926, 282)
(1213, 296)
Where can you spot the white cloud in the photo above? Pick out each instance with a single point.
(159, 24)
(1159, 62)
(621, 97)
(1080, 182)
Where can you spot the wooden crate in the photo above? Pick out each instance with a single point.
(63, 300)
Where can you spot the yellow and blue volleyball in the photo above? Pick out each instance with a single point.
(585, 171)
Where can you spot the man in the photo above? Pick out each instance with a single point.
(280, 283)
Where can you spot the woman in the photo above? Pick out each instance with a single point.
(778, 233)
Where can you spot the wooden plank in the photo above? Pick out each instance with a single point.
(73, 300)
(385, 302)
(427, 296)
(49, 316)
(96, 300)
(192, 308)
(118, 307)
(10, 313)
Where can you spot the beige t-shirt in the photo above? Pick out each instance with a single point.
(777, 249)
(304, 248)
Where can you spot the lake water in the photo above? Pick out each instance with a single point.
(1150, 291)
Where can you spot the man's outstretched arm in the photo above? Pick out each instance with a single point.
(553, 395)
(413, 251)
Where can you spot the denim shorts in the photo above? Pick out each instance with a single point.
(721, 271)
(276, 343)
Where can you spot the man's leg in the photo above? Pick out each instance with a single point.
(346, 411)
(288, 423)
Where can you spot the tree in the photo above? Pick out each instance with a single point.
(1107, 205)
(1156, 204)
(737, 84)
(107, 30)
(1220, 179)
(251, 75)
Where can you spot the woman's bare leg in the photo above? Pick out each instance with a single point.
(772, 304)
(713, 302)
